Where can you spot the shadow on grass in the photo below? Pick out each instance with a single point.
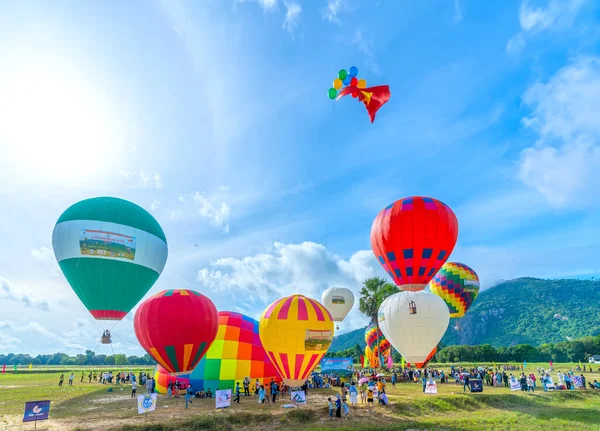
(542, 407)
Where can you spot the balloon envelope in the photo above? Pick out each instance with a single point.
(235, 354)
(457, 285)
(414, 322)
(176, 328)
(296, 332)
(111, 251)
(339, 301)
(412, 238)
(371, 340)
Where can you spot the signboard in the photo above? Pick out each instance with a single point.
(146, 403)
(299, 397)
(514, 384)
(549, 383)
(336, 364)
(338, 300)
(577, 382)
(223, 398)
(476, 385)
(106, 244)
(431, 387)
(317, 340)
(36, 411)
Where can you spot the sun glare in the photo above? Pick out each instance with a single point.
(55, 127)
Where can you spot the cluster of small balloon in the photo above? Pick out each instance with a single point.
(346, 78)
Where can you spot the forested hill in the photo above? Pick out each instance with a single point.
(524, 310)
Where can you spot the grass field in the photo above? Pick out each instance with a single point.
(90, 407)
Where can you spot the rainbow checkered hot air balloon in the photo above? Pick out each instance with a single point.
(457, 285)
(296, 332)
(235, 354)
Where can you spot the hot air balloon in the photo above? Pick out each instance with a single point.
(427, 360)
(296, 332)
(235, 354)
(371, 339)
(412, 238)
(457, 285)
(176, 328)
(111, 251)
(414, 322)
(339, 301)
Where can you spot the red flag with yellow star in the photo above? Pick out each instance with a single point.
(373, 97)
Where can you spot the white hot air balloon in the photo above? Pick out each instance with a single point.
(339, 301)
(414, 323)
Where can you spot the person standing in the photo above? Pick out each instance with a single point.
(61, 380)
(246, 387)
(71, 378)
(188, 395)
(274, 390)
(133, 389)
(237, 393)
(353, 394)
(338, 406)
(261, 396)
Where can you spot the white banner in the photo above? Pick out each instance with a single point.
(146, 403)
(223, 398)
(514, 384)
(549, 383)
(299, 397)
(431, 387)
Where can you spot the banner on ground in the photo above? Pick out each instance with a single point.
(36, 411)
(476, 385)
(336, 364)
(514, 384)
(549, 383)
(146, 403)
(299, 397)
(223, 398)
(431, 387)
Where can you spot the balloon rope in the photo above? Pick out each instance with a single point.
(135, 344)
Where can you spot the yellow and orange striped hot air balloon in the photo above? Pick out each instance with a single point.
(296, 332)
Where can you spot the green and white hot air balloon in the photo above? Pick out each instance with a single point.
(111, 251)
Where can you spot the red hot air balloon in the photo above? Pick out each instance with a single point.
(412, 238)
(176, 328)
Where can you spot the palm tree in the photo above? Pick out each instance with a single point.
(374, 291)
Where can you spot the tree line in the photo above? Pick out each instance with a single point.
(564, 351)
(90, 358)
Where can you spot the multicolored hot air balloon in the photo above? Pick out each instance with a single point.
(371, 340)
(176, 327)
(235, 354)
(412, 238)
(111, 251)
(339, 301)
(457, 285)
(414, 322)
(296, 332)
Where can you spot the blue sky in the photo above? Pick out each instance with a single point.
(214, 116)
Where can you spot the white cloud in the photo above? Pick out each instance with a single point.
(181, 198)
(218, 216)
(158, 182)
(10, 292)
(564, 164)
(266, 5)
(306, 268)
(145, 177)
(45, 257)
(556, 15)
(458, 11)
(365, 47)
(333, 10)
(155, 205)
(292, 16)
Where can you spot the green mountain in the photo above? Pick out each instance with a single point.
(521, 311)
